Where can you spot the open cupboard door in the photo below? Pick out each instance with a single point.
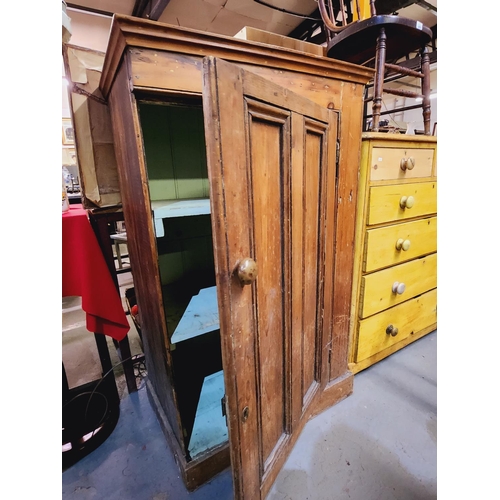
(271, 159)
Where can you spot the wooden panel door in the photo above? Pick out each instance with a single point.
(271, 162)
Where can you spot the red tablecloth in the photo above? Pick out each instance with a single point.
(85, 274)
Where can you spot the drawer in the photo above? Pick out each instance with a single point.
(413, 278)
(385, 203)
(409, 317)
(386, 163)
(419, 238)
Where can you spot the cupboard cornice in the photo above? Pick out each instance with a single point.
(127, 32)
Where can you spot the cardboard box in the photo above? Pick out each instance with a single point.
(92, 128)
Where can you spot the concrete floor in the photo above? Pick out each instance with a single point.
(378, 444)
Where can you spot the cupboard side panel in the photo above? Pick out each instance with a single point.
(141, 242)
(350, 146)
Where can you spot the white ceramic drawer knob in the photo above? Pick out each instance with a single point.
(406, 201)
(402, 244)
(407, 163)
(391, 330)
(398, 287)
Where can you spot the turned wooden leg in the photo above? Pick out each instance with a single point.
(378, 84)
(128, 365)
(426, 91)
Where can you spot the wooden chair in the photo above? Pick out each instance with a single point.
(378, 41)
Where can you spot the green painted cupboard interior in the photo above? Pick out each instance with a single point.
(174, 140)
(174, 144)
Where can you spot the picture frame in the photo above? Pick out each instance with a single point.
(68, 132)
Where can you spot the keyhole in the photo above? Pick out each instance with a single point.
(244, 414)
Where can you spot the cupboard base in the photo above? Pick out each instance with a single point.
(200, 470)
(337, 390)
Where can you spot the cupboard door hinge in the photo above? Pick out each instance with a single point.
(223, 405)
(337, 158)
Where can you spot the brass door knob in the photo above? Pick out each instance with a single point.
(406, 201)
(398, 287)
(391, 330)
(247, 271)
(407, 163)
(402, 244)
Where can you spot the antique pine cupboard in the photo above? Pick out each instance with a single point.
(238, 167)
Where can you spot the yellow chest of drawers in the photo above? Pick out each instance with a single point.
(395, 272)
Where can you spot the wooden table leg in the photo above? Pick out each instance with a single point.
(378, 84)
(118, 254)
(100, 225)
(107, 367)
(426, 90)
(128, 365)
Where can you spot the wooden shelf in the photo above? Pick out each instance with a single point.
(166, 209)
(201, 316)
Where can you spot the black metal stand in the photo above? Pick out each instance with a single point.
(90, 412)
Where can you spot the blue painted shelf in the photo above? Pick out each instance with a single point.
(209, 428)
(201, 316)
(166, 209)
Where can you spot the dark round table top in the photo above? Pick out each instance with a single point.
(357, 42)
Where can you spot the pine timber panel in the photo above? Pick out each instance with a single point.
(386, 163)
(384, 204)
(268, 38)
(380, 243)
(410, 316)
(140, 234)
(418, 275)
(166, 61)
(169, 71)
(261, 201)
(347, 183)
